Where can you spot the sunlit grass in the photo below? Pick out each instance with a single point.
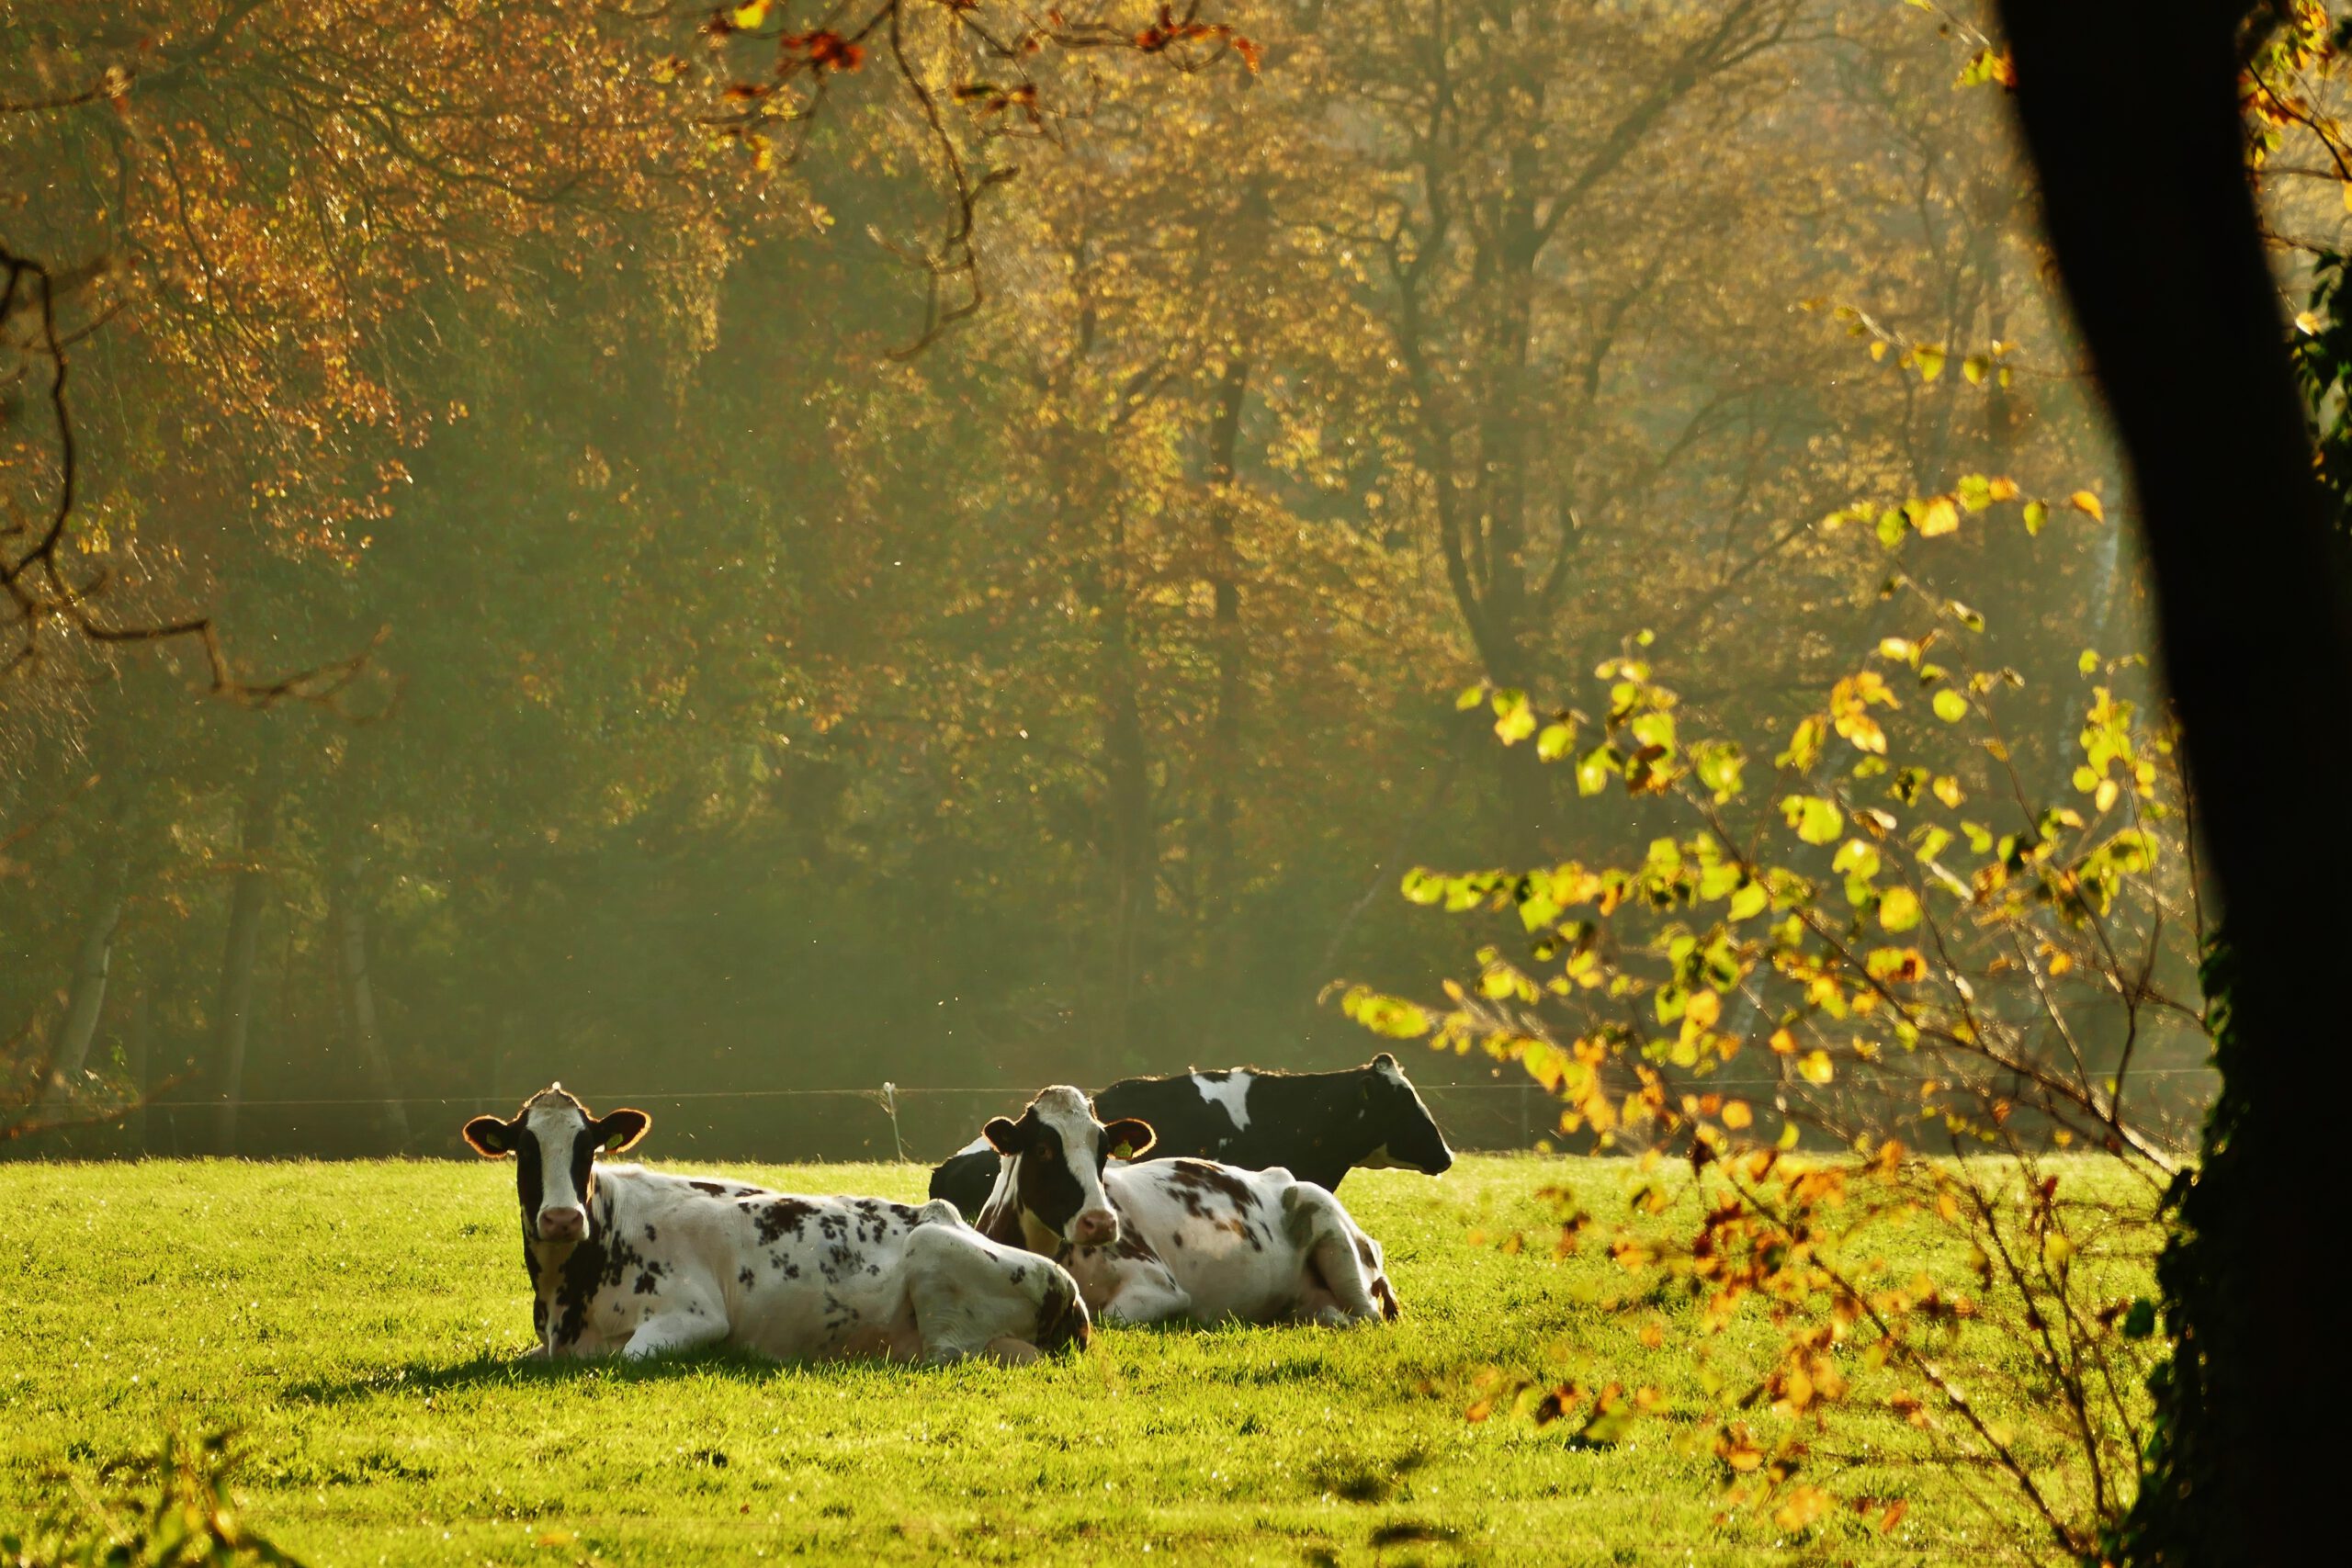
(357, 1325)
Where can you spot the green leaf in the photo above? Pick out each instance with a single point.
(1804, 745)
(2037, 512)
(1898, 909)
(1929, 358)
(1855, 858)
(1654, 729)
(1748, 902)
(1470, 698)
(1514, 719)
(1595, 768)
(1951, 707)
(1817, 821)
(1719, 764)
(2089, 663)
(1553, 742)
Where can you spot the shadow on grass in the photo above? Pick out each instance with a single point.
(488, 1371)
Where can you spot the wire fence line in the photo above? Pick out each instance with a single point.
(1007, 1091)
(838, 1123)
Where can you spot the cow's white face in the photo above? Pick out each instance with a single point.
(1054, 1158)
(555, 1144)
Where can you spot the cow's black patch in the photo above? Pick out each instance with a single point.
(775, 1216)
(1201, 1176)
(1319, 1125)
(747, 1279)
(575, 1290)
(710, 1189)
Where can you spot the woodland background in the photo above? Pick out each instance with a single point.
(715, 663)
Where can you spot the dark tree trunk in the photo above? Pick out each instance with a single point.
(93, 959)
(1230, 652)
(347, 919)
(138, 1062)
(2131, 114)
(1134, 844)
(248, 900)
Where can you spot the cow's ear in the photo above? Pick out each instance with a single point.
(492, 1138)
(619, 1131)
(1383, 1063)
(1003, 1134)
(1129, 1138)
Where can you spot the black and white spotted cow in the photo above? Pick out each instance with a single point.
(626, 1260)
(1180, 1238)
(1318, 1126)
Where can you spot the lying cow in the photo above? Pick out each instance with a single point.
(1317, 1125)
(625, 1259)
(1179, 1238)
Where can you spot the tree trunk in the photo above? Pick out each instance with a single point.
(139, 1057)
(1230, 652)
(86, 1000)
(1126, 768)
(2131, 114)
(233, 1021)
(347, 920)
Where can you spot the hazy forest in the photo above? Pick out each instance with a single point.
(816, 568)
(766, 594)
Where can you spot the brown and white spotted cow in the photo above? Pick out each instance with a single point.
(622, 1258)
(1180, 1239)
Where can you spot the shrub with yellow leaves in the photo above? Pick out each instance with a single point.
(1894, 990)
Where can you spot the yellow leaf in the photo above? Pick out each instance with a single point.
(751, 16)
(1805, 1504)
(2083, 500)
(1941, 516)
(1930, 357)
(1737, 1114)
(1815, 1066)
(1976, 368)
(1784, 1042)
(1877, 349)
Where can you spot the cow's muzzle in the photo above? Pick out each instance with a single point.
(562, 1225)
(1095, 1227)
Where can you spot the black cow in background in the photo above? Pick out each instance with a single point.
(1319, 1126)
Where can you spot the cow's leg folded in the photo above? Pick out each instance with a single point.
(1141, 1292)
(1331, 1241)
(677, 1329)
(970, 1296)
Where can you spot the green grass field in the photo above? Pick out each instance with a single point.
(359, 1325)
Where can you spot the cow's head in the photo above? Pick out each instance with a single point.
(1051, 1179)
(555, 1144)
(1402, 1131)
